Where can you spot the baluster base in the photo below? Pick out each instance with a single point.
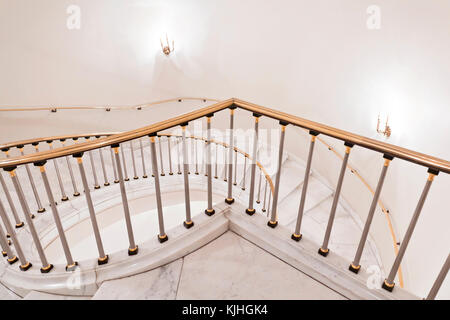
(353, 268)
(145, 176)
(41, 210)
(296, 237)
(13, 260)
(189, 224)
(323, 252)
(20, 225)
(162, 239)
(387, 286)
(106, 184)
(134, 251)
(258, 201)
(72, 267)
(76, 194)
(170, 173)
(65, 198)
(96, 187)
(116, 181)
(250, 212)
(4, 253)
(47, 269)
(127, 179)
(25, 267)
(135, 178)
(103, 260)
(272, 224)
(229, 200)
(210, 212)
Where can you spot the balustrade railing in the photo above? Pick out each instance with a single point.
(178, 156)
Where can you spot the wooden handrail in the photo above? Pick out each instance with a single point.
(385, 148)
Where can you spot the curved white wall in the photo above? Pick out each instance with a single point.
(314, 59)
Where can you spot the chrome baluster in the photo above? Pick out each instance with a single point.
(64, 197)
(216, 160)
(133, 248)
(250, 210)
(33, 186)
(258, 198)
(103, 258)
(69, 166)
(209, 211)
(7, 252)
(194, 141)
(323, 251)
(102, 160)
(116, 179)
(297, 235)
(133, 160)
(235, 167)
(144, 171)
(245, 172)
(273, 222)
(124, 163)
(265, 195)
(439, 280)
(19, 223)
(188, 223)
(230, 199)
(389, 284)
(71, 264)
(94, 172)
(170, 155)
(162, 236)
(355, 266)
(161, 157)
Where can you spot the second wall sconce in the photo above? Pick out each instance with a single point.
(166, 48)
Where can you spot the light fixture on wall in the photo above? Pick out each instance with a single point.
(387, 130)
(166, 48)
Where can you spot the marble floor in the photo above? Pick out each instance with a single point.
(229, 267)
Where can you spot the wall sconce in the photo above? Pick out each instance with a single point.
(387, 130)
(166, 48)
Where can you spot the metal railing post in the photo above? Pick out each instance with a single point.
(389, 284)
(297, 235)
(69, 167)
(209, 211)
(170, 155)
(113, 161)
(103, 258)
(230, 199)
(133, 160)
(273, 222)
(258, 197)
(126, 178)
(439, 280)
(144, 171)
(161, 157)
(355, 266)
(162, 236)
(251, 210)
(323, 251)
(7, 252)
(187, 201)
(19, 223)
(94, 171)
(64, 197)
(102, 160)
(71, 264)
(133, 248)
(179, 155)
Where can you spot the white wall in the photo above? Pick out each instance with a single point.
(315, 59)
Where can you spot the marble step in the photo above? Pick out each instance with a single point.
(36, 295)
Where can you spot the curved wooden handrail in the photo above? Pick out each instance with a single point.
(395, 151)
(144, 105)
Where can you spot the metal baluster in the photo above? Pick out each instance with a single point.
(187, 202)
(268, 205)
(389, 284)
(124, 164)
(103, 258)
(133, 248)
(133, 160)
(33, 186)
(162, 236)
(194, 141)
(72, 178)
(116, 179)
(235, 167)
(7, 252)
(170, 155)
(19, 223)
(437, 284)
(102, 160)
(205, 170)
(245, 172)
(265, 194)
(225, 165)
(144, 171)
(250, 210)
(217, 160)
(25, 265)
(46, 267)
(209, 211)
(355, 266)
(71, 264)
(273, 222)
(94, 172)
(297, 235)
(58, 175)
(161, 157)
(258, 198)
(179, 155)
(230, 199)
(323, 251)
